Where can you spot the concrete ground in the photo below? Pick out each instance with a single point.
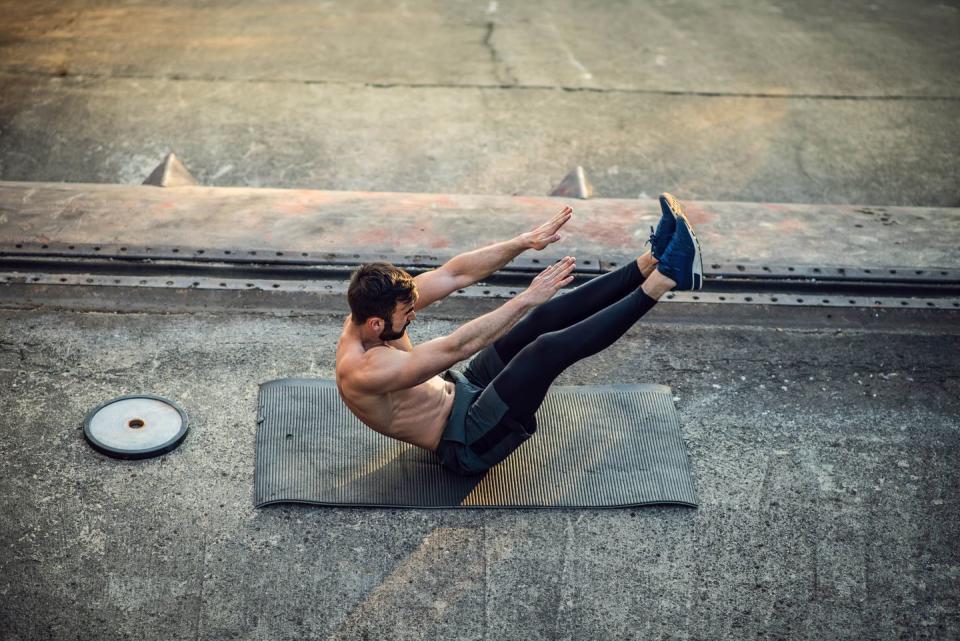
(760, 100)
(826, 477)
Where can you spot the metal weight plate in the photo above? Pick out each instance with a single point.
(135, 427)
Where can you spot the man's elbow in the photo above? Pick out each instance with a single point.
(461, 348)
(458, 278)
(469, 348)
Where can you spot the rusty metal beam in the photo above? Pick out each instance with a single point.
(485, 290)
(763, 234)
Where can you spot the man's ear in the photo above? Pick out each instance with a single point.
(375, 324)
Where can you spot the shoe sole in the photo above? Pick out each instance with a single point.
(671, 204)
(677, 211)
(665, 199)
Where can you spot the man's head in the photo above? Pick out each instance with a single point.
(382, 291)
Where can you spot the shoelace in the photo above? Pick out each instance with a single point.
(681, 249)
(653, 237)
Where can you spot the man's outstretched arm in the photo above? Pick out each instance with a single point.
(387, 370)
(473, 266)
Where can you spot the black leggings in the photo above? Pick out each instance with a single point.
(564, 330)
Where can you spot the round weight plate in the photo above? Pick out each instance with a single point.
(134, 427)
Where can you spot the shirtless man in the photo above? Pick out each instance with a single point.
(476, 419)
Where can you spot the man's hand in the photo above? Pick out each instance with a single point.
(547, 232)
(547, 282)
(473, 266)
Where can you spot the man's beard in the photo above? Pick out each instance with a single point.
(388, 335)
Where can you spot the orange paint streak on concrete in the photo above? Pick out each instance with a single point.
(407, 233)
(427, 234)
(292, 207)
(539, 204)
(791, 225)
(402, 206)
(443, 202)
(329, 197)
(697, 214)
(375, 237)
(440, 242)
(611, 233)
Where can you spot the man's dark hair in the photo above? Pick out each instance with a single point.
(376, 288)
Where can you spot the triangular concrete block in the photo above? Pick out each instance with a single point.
(170, 173)
(575, 185)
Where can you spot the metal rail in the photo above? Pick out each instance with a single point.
(279, 270)
(589, 264)
(339, 287)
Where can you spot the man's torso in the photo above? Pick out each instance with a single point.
(416, 415)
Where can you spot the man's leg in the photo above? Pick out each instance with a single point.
(503, 416)
(575, 305)
(523, 383)
(558, 313)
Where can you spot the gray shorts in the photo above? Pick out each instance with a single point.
(479, 433)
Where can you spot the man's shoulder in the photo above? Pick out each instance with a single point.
(362, 369)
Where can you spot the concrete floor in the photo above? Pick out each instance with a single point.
(742, 101)
(826, 477)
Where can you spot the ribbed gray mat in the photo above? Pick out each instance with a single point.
(606, 446)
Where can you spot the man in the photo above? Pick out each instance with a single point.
(476, 419)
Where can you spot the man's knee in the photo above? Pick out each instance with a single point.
(547, 347)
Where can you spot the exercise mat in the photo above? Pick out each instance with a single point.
(603, 446)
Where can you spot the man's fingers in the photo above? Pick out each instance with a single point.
(566, 262)
(560, 219)
(554, 269)
(557, 275)
(564, 278)
(547, 232)
(562, 267)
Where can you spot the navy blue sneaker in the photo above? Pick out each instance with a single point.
(668, 222)
(682, 262)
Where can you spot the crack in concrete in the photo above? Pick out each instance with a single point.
(502, 86)
(499, 65)
(198, 629)
(486, 579)
(23, 350)
(563, 580)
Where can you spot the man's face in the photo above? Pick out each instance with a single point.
(402, 315)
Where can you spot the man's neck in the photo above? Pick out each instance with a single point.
(365, 340)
